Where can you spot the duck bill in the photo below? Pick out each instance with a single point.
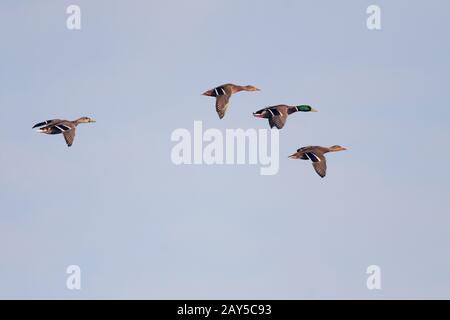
(314, 110)
(257, 115)
(293, 156)
(92, 121)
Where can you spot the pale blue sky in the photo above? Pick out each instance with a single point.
(140, 227)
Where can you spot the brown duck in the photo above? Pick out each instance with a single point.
(317, 155)
(277, 115)
(66, 127)
(223, 94)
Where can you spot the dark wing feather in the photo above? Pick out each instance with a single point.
(46, 123)
(300, 154)
(303, 156)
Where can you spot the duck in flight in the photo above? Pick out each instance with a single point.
(223, 94)
(317, 156)
(66, 127)
(277, 115)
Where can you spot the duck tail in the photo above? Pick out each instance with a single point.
(209, 93)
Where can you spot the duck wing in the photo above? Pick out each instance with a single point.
(277, 118)
(319, 162)
(222, 101)
(57, 128)
(69, 136)
(46, 123)
(65, 127)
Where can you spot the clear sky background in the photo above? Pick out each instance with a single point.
(141, 227)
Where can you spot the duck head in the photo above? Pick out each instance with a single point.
(336, 148)
(250, 88)
(305, 108)
(85, 120)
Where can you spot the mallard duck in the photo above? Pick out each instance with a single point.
(223, 94)
(66, 127)
(277, 115)
(316, 155)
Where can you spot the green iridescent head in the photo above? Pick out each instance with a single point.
(305, 108)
